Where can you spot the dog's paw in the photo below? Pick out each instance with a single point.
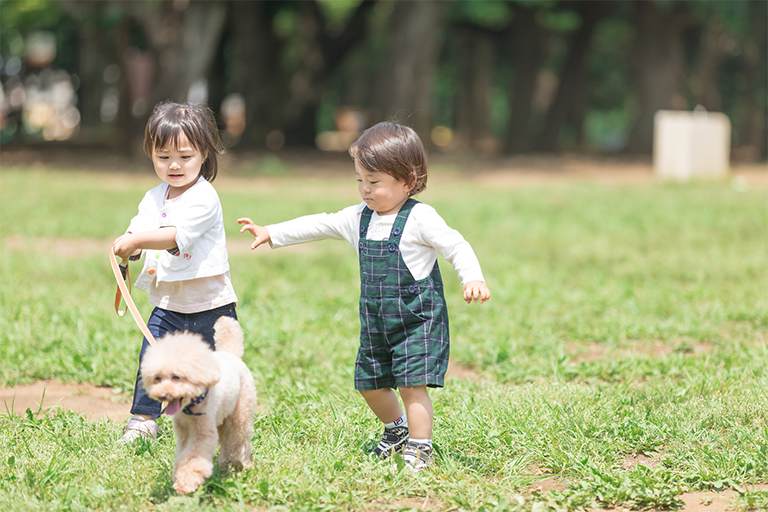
(187, 484)
(191, 474)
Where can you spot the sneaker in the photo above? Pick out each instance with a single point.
(138, 427)
(392, 441)
(417, 456)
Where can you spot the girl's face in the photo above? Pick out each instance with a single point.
(178, 167)
(381, 192)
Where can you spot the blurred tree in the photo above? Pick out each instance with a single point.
(532, 74)
(179, 37)
(183, 37)
(572, 78)
(285, 52)
(403, 90)
(93, 61)
(659, 64)
(526, 37)
(476, 30)
(20, 17)
(755, 97)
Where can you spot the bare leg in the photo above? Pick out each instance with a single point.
(418, 407)
(384, 404)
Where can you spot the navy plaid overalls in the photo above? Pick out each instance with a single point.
(404, 338)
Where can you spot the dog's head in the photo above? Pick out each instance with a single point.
(181, 366)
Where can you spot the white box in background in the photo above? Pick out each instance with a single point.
(689, 145)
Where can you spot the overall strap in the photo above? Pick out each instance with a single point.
(398, 225)
(365, 220)
(402, 217)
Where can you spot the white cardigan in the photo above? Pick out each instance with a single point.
(200, 238)
(425, 234)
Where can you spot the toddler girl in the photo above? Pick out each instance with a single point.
(180, 232)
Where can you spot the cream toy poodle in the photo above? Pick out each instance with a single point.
(211, 397)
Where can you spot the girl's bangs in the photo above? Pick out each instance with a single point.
(167, 136)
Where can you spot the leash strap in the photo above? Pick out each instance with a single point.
(124, 291)
(126, 275)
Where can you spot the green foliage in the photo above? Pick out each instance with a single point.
(18, 18)
(492, 15)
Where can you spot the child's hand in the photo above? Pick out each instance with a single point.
(260, 233)
(126, 246)
(475, 290)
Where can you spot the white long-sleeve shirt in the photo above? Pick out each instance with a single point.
(425, 234)
(197, 279)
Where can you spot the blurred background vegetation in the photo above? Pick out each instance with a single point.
(489, 77)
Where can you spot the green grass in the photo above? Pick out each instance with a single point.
(625, 320)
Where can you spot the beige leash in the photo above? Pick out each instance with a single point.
(123, 291)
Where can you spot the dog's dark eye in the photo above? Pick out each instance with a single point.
(175, 377)
(158, 378)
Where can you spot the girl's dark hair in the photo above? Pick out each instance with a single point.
(393, 149)
(196, 121)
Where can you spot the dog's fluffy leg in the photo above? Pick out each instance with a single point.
(237, 430)
(194, 460)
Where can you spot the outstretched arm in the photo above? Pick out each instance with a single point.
(260, 233)
(475, 290)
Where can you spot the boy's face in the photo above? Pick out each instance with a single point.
(381, 192)
(178, 167)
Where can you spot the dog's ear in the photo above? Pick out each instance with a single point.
(206, 375)
(197, 363)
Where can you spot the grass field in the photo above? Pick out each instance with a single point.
(628, 324)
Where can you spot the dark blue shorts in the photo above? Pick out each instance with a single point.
(162, 322)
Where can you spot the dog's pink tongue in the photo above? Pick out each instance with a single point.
(173, 407)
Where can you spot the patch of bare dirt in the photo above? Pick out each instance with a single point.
(92, 401)
(65, 247)
(406, 504)
(462, 372)
(630, 461)
(710, 501)
(592, 352)
(45, 395)
(546, 485)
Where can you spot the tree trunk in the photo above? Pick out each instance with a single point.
(91, 67)
(473, 109)
(304, 87)
(710, 56)
(217, 74)
(97, 50)
(659, 64)
(256, 69)
(131, 129)
(404, 88)
(572, 76)
(754, 125)
(578, 112)
(526, 39)
(185, 43)
(323, 55)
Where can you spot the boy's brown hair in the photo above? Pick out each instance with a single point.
(393, 149)
(196, 121)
